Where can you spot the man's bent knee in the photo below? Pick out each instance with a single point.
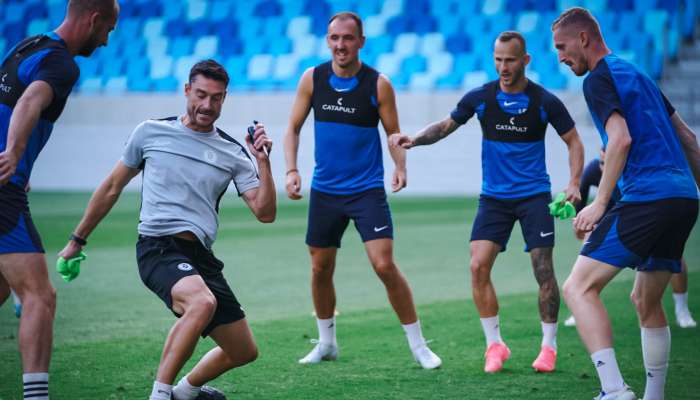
(45, 299)
(481, 272)
(386, 270)
(570, 290)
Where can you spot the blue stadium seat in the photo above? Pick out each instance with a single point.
(458, 43)
(168, 84)
(655, 22)
(196, 10)
(220, 10)
(161, 67)
(280, 45)
(267, 8)
(449, 24)
(500, 23)
(138, 69)
(630, 21)
(206, 47)
(621, 5)
(135, 48)
(440, 43)
(413, 64)
(181, 46)
(37, 26)
(366, 8)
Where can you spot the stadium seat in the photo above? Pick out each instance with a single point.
(206, 47)
(438, 41)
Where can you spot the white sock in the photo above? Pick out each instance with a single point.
(492, 330)
(414, 335)
(161, 391)
(326, 330)
(36, 385)
(681, 301)
(549, 334)
(184, 390)
(608, 371)
(656, 346)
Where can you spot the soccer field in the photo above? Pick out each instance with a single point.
(109, 328)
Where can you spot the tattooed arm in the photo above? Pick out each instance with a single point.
(428, 135)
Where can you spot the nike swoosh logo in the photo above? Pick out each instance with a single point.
(380, 229)
(163, 391)
(509, 103)
(542, 234)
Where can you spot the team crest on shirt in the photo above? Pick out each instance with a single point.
(210, 156)
(184, 267)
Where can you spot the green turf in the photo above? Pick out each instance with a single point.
(109, 328)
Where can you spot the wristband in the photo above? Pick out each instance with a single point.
(292, 170)
(77, 239)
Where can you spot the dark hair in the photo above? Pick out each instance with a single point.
(580, 18)
(343, 15)
(507, 36)
(105, 7)
(209, 69)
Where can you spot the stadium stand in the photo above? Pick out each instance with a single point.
(419, 44)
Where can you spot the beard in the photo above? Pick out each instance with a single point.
(88, 48)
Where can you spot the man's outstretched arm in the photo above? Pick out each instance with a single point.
(101, 202)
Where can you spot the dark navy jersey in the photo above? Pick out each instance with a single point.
(656, 167)
(348, 147)
(513, 127)
(592, 175)
(38, 58)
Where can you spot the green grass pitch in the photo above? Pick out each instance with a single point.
(109, 328)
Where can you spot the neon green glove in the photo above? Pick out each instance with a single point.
(562, 209)
(70, 269)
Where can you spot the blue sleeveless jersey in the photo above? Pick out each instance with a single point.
(656, 167)
(44, 58)
(348, 149)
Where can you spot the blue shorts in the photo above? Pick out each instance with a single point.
(17, 231)
(648, 236)
(330, 214)
(495, 219)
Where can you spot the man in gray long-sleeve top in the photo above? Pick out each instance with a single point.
(187, 165)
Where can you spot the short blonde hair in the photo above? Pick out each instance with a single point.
(580, 18)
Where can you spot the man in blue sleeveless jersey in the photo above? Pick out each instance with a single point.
(36, 77)
(645, 141)
(349, 99)
(514, 113)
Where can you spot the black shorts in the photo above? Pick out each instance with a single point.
(495, 219)
(164, 260)
(17, 231)
(648, 236)
(330, 214)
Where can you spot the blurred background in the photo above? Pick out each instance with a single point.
(433, 51)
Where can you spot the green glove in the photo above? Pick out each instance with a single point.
(562, 209)
(70, 269)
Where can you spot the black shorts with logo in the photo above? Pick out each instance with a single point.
(164, 260)
(495, 219)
